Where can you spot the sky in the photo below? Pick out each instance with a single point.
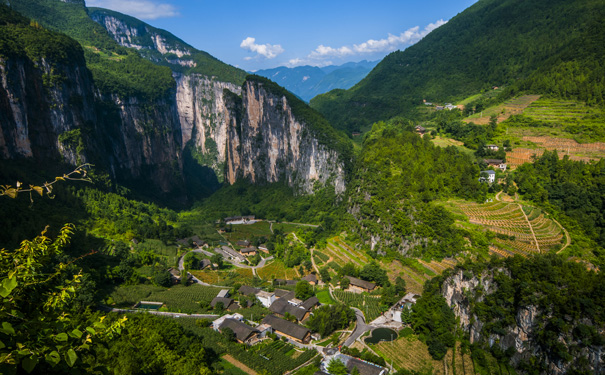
(262, 34)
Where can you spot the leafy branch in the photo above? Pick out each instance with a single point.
(78, 174)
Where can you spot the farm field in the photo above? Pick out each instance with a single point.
(184, 299)
(324, 297)
(342, 253)
(277, 270)
(248, 231)
(514, 106)
(518, 229)
(563, 146)
(273, 357)
(227, 277)
(409, 353)
(446, 142)
(370, 305)
(127, 296)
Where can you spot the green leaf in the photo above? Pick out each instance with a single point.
(61, 337)
(29, 363)
(53, 358)
(76, 333)
(91, 330)
(7, 286)
(2, 346)
(71, 357)
(7, 328)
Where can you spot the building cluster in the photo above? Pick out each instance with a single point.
(351, 363)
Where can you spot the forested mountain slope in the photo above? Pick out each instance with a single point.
(551, 47)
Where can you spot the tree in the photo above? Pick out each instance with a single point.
(324, 273)
(163, 278)
(344, 283)
(228, 333)
(373, 272)
(336, 367)
(400, 286)
(218, 260)
(304, 290)
(219, 307)
(36, 294)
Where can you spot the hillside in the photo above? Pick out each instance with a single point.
(309, 81)
(549, 47)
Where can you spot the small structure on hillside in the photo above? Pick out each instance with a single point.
(228, 303)
(498, 163)
(243, 243)
(266, 298)
(248, 251)
(311, 279)
(492, 147)
(224, 293)
(420, 130)
(359, 286)
(243, 332)
(488, 176)
(229, 253)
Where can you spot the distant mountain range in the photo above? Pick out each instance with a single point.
(308, 81)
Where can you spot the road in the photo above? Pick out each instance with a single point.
(360, 328)
(260, 264)
(161, 313)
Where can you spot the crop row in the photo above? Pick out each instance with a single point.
(368, 304)
(273, 358)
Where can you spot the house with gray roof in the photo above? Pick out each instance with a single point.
(358, 285)
(288, 329)
(243, 332)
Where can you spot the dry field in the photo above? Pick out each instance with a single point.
(503, 111)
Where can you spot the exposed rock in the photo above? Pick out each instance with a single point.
(267, 143)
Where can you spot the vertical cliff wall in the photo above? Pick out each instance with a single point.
(268, 142)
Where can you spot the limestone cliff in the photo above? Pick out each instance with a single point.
(269, 142)
(466, 292)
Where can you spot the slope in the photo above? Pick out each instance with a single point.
(492, 43)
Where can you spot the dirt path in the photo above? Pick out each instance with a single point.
(530, 228)
(567, 236)
(239, 365)
(313, 262)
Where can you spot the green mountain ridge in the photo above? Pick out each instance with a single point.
(550, 47)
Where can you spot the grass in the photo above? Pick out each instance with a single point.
(248, 231)
(446, 142)
(325, 298)
(276, 270)
(225, 277)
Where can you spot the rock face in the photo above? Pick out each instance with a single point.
(53, 112)
(462, 293)
(203, 117)
(268, 143)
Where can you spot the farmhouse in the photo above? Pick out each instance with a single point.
(224, 293)
(492, 147)
(420, 130)
(405, 303)
(243, 332)
(284, 282)
(217, 323)
(194, 241)
(498, 163)
(266, 298)
(248, 290)
(364, 368)
(263, 248)
(288, 295)
(205, 263)
(490, 178)
(358, 285)
(248, 251)
(228, 303)
(311, 278)
(310, 303)
(288, 329)
(233, 219)
(243, 243)
(229, 253)
(281, 307)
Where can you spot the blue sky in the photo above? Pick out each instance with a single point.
(265, 34)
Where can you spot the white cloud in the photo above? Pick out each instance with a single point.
(267, 51)
(389, 44)
(143, 9)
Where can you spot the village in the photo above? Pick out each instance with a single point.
(288, 314)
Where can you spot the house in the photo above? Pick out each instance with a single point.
(266, 298)
(358, 285)
(405, 303)
(205, 263)
(363, 367)
(217, 323)
(263, 248)
(281, 307)
(450, 106)
(224, 293)
(243, 243)
(439, 108)
(228, 303)
(288, 329)
(195, 241)
(498, 163)
(228, 252)
(175, 274)
(249, 219)
(492, 147)
(243, 332)
(311, 279)
(428, 103)
(287, 294)
(248, 290)
(490, 176)
(310, 303)
(356, 134)
(420, 130)
(248, 251)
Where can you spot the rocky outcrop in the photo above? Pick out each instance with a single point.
(267, 142)
(463, 290)
(203, 117)
(53, 112)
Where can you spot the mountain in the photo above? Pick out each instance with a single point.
(492, 43)
(160, 109)
(308, 81)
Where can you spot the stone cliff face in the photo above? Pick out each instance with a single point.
(267, 143)
(462, 293)
(53, 112)
(203, 117)
(38, 103)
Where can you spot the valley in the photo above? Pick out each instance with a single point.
(447, 199)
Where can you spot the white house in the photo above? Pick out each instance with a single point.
(217, 323)
(266, 298)
(491, 176)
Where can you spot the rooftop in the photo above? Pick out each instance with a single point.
(361, 283)
(242, 331)
(284, 326)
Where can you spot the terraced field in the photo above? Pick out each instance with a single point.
(277, 270)
(564, 113)
(563, 146)
(415, 277)
(514, 106)
(229, 277)
(519, 229)
(342, 253)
